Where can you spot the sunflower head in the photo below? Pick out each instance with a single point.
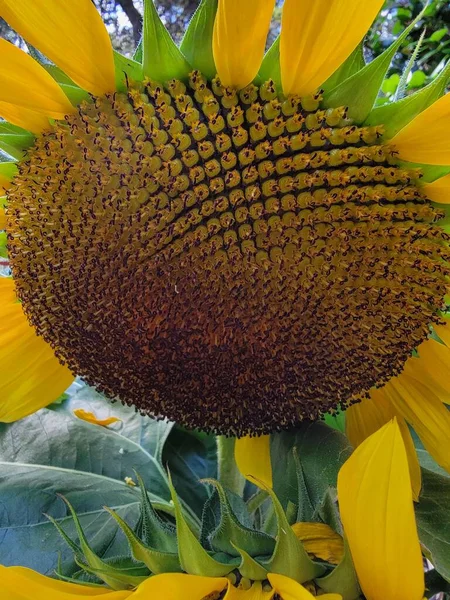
(237, 252)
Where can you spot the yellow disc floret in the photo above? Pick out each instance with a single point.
(230, 260)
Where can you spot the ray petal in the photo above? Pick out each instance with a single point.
(425, 138)
(288, 589)
(179, 586)
(24, 117)
(239, 38)
(438, 190)
(317, 37)
(71, 34)
(375, 501)
(31, 377)
(252, 455)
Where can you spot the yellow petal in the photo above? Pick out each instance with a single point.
(24, 83)
(425, 138)
(439, 190)
(23, 117)
(420, 406)
(2, 219)
(321, 541)
(252, 455)
(31, 377)
(18, 583)
(366, 417)
(178, 586)
(432, 368)
(288, 589)
(376, 507)
(317, 37)
(254, 593)
(4, 185)
(91, 418)
(71, 34)
(239, 39)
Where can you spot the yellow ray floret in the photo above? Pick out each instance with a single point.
(366, 417)
(321, 541)
(425, 138)
(2, 219)
(439, 190)
(71, 34)
(252, 455)
(240, 33)
(24, 83)
(24, 117)
(4, 185)
(19, 583)
(317, 37)
(374, 492)
(90, 417)
(31, 377)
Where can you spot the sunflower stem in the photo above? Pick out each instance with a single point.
(228, 473)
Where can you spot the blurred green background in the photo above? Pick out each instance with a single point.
(124, 21)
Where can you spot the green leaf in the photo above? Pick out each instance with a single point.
(437, 35)
(14, 140)
(8, 169)
(433, 520)
(127, 70)
(231, 533)
(396, 115)
(354, 63)
(359, 91)
(417, 79)
(156, 560)
(196, 44)
(270, 66)
(336, 421)
(289, 557)
(390, 84)
(162, 60)
(194, 559)
(342, 579)
(54, 452)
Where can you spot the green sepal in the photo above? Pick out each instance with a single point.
(155, 532)
(117, 576)
(14, 140)
(270, 67)
(8, 169)
(249, 567)
(352, 65)
(360, 91)
(75, 94)
(137, 56)
(396, 115)
(90, 561)
(197, 42)
(126, 70)
(231, 532)
(342, 579)
(289, 557)
(155, 560)
(72, 545)
(194, 559)
(162, 59)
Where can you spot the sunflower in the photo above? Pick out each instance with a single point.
(376, 509)
(237, 241)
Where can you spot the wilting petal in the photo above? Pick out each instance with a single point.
(422, 408)
(24, 83)
(239, 39)
(425, 138)
(317, 37)
(91, 418)
(288, 589)
(321, 541)
(18, 583)
(71, 34)
(31, 377)
(375, 501)
(439, 190)
(178, 586)
(23, 117)
(252, 455)
(366, 417)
